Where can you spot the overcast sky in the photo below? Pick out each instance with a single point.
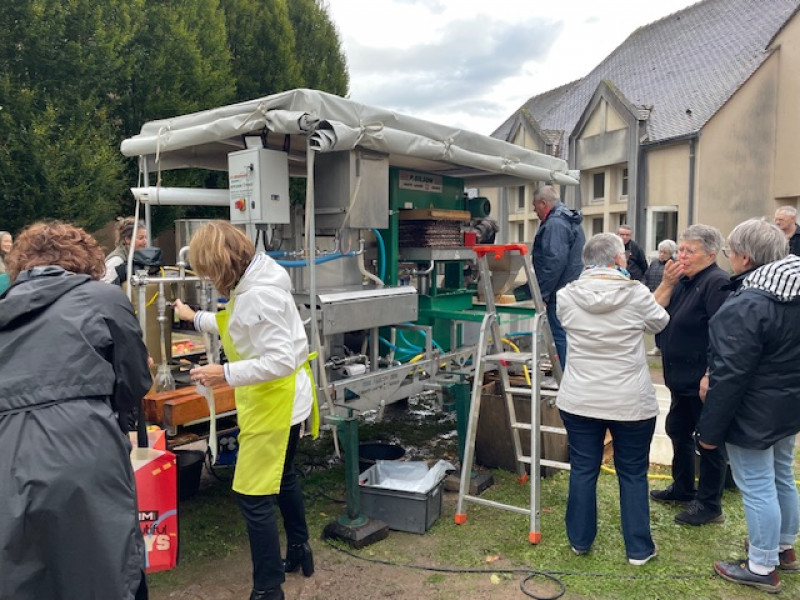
(472, 63)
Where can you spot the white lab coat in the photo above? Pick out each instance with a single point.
(606, 315)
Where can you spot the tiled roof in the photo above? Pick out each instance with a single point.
(678, 71)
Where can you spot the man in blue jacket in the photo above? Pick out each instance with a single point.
(557, 250)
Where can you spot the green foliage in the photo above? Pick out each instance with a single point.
(262, 45)
(79, 76)
(323, 65)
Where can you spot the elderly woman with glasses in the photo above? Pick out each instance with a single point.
(607, 387)
(752, 402)
(692, 290)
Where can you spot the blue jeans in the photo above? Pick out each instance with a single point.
(631, 441)
(766, 480)
(559, 335)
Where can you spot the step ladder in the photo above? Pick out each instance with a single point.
(490, 355)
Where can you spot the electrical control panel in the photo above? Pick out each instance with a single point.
(258, 180)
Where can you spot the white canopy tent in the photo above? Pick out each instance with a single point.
(304, 119)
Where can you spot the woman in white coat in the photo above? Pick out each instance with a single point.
(607, 387)
(267, 350)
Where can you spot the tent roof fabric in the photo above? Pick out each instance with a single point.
(300, 119)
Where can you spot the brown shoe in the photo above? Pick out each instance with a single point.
(787, 558)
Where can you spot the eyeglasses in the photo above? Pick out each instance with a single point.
(727, 252)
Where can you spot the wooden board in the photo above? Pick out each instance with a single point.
(184, 405)
(433, 214)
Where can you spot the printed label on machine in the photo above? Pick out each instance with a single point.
(408, 180)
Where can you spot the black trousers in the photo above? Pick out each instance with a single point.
(684, 412)
(262, 525)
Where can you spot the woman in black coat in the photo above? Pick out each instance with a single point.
(72, 369)
(753, 400)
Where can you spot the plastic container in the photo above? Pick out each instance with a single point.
(369, 452)
(401, 510)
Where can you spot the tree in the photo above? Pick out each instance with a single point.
(60, 73)
(262, 45)
(323, 65)
(78, 76)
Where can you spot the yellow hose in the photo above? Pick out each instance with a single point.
(515, 348)
(649, 475)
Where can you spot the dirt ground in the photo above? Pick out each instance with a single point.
(340, 576)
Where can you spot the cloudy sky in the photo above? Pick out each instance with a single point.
(472, 63)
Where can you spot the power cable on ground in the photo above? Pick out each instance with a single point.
(529, 573)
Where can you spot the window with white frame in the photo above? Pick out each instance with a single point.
(521, 198)
(521, 232)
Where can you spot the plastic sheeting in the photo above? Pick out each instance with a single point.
(302, 118)
(406, 476)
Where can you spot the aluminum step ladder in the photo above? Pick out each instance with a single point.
(490, 355)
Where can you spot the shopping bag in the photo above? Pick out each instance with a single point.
(156, 473)
(156, 438)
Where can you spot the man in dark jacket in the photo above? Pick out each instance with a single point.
(71, 361)
(786, 220)
(752, 400)
(637, 262)
(557, 250)
(692, 292)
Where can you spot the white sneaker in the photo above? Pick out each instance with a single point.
(638, 562)
(654, 352)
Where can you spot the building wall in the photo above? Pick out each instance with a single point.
(786, 187)
(666, 192)
(736, 154)
(601, 153)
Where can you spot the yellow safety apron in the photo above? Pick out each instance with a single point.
(264, 413)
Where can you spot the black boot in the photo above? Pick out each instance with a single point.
(299, 555)
(275, 593)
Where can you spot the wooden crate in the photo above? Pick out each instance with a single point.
(493, 446)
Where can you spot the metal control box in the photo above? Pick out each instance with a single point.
(258, 180)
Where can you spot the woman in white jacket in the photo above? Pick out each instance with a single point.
(266, 346)
(607, 386)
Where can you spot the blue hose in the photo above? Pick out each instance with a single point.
(381, 254)
(322, 259)
(425, 335)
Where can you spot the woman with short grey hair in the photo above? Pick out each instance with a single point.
(669, 246)
(603, 249)
(607, 387)
(751, 403)
(708, 236)
(655, 272)
(692, 290)
(758, 242)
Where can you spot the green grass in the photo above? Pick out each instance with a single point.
(211, 528)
